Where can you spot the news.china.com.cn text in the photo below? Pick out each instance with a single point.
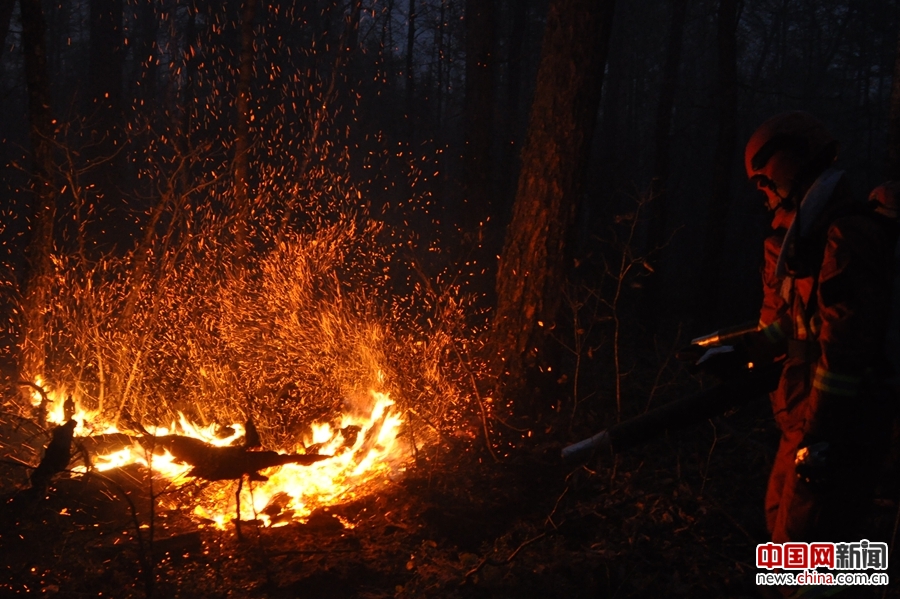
(862, 563)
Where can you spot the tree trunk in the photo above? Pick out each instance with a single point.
(720, 198)
(386, 34)
(104, 151)
(659, 185)
(6, 10)
(439, 112)
(146, 64)
(479, 109)
(410, 75)
(38, 281)
(894, 121)
(242, 132)
(107, 58)
(554, 160)
(514, 109)
(353, 27)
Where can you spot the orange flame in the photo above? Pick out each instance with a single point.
(292, 491)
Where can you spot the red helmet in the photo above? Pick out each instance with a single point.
(788, 150)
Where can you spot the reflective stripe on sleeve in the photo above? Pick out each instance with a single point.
(839, 384)
(774, 333)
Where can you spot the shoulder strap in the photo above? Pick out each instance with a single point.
(812, 206)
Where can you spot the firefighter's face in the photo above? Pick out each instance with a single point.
(776, 180)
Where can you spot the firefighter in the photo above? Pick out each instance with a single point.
(827, 279)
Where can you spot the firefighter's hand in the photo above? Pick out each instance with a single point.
(691, 353)
(724, 362)
(814, 463)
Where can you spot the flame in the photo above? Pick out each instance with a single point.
(365, 448)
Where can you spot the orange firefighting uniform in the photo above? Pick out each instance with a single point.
(828, 318)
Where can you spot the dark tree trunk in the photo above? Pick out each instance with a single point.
(383, 71)
(353, 27)
(146, 68)
(662, 138)
(894, 122)
(6, 10)
(410, 75)
(439, 95)
(720, 197)
(479, 109)
(105, 81)
(554, 160)
(349, 43)
(514, 102)
(107, 58)
(242, 131)
(39, 277)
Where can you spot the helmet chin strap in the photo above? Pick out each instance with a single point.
(787, 203)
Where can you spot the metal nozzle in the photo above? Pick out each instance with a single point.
(583, 449)
(722, 335)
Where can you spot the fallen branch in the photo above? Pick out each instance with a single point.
(223, 463)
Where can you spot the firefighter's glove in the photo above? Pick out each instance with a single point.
(724, 362)
(814, 463)
(691, 353)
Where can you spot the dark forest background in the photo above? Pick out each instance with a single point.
(152, 147)
(115, 112)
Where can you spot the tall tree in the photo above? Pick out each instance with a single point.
(894, 121)
(479, 107)
(146, 30)
(661, 160)
(107, 58)
(512, 115)
(551, 181)
(39, 278)
(6, 10)
(726, 140)
(410, 73)
(242, 130)
(353, 27)
(439, 91)
(105, 82)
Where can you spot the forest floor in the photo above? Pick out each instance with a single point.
(679, 517)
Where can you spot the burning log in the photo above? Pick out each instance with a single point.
(232, 462)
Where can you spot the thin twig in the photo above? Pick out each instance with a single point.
(513, 555)
(753, 540)
(484, 424)
(556, 505)
(662, 369)
(487, 560)
(709, 457)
